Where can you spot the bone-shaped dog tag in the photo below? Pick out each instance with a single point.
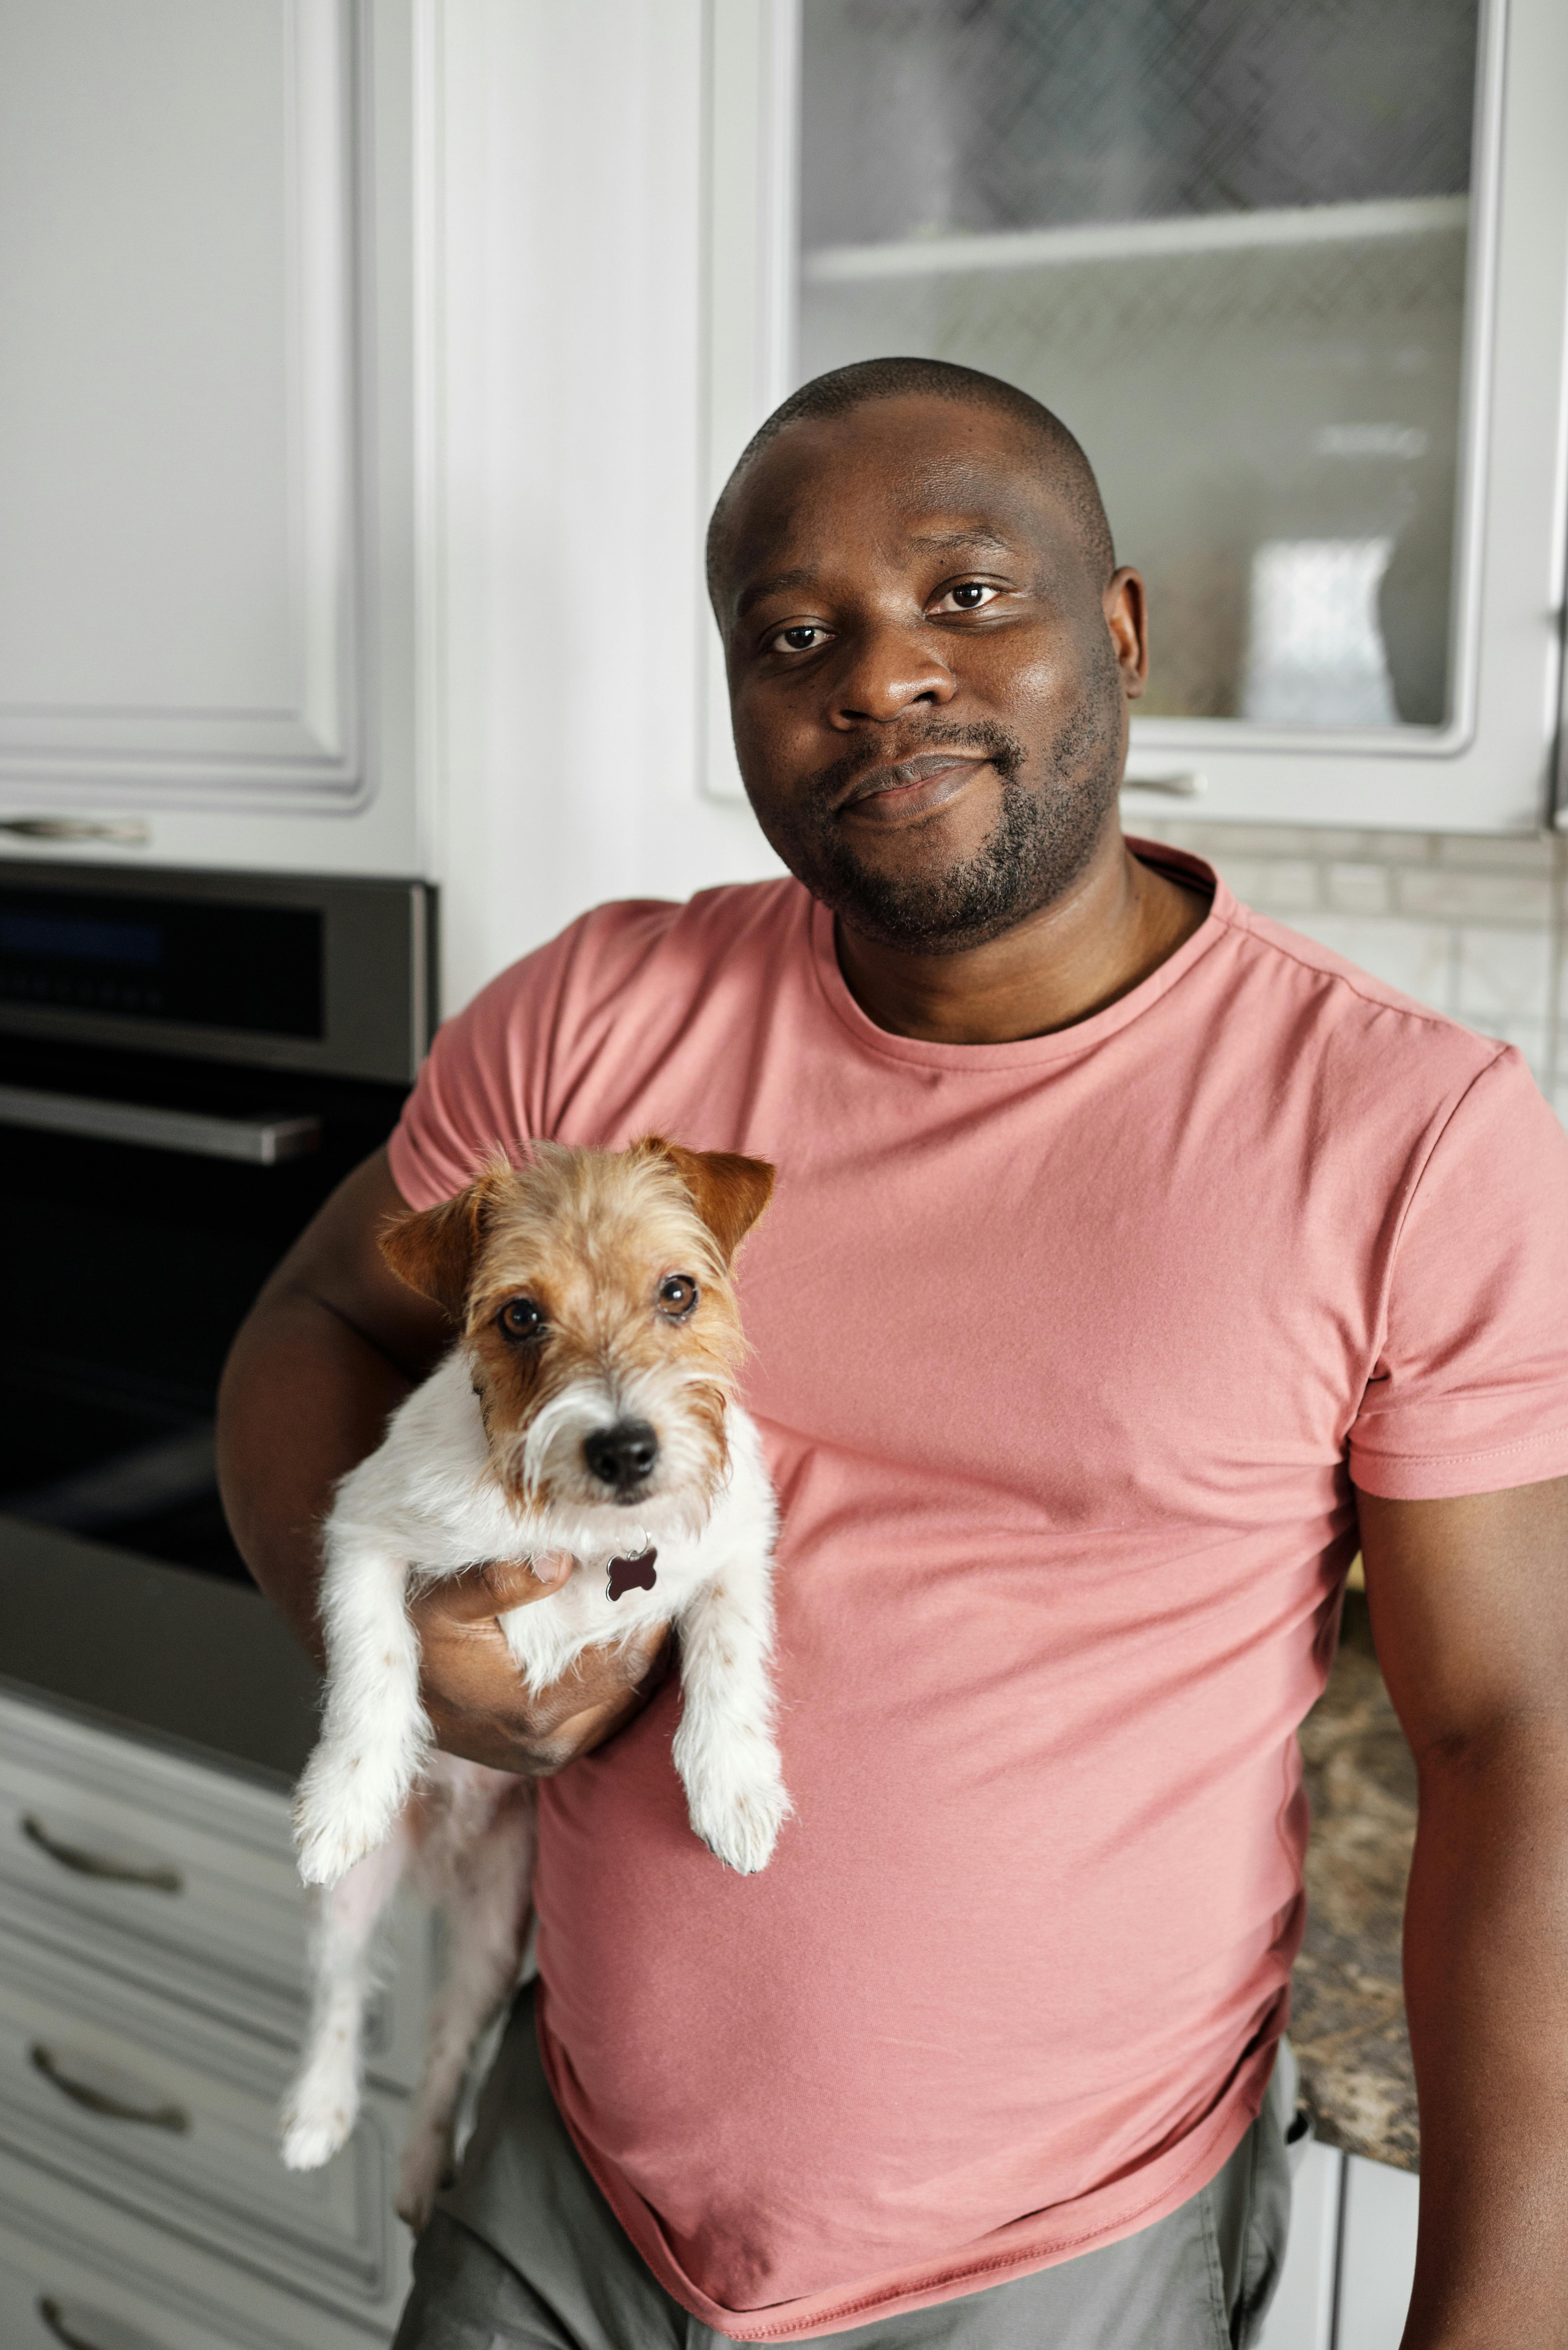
(631, 1575)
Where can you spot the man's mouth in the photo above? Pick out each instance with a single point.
(911, 787)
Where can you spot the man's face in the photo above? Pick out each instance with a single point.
(929, 686)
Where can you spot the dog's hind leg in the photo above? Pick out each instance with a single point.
(320, 2109)
(485, 1884)
(724, 1749)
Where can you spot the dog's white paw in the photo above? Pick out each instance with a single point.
(318, 2122)
(329, 1850)
(739, 1819)
(426, 2168)
(338, 1819)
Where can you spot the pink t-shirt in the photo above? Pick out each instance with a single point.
(1066, 1355)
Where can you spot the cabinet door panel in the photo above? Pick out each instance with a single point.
(90, 2279)
(178, 567)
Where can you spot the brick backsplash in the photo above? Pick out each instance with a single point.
(1471, 925)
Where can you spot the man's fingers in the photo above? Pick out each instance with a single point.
(494, 1589)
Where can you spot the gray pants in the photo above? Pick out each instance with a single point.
(526, 2254)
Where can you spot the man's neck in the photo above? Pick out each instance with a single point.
(1119, 922)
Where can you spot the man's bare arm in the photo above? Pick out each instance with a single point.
(1469, 1610)
(331, 1346)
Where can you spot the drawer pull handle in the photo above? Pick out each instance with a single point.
(134, 830)
(99, 2101)
(55, 2318)
(160, 1878)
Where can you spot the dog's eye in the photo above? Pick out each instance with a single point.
(677, 1296)
(520, 1317)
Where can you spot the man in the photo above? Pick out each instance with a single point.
(1131, 1262)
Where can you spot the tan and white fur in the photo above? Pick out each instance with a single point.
(589, 1407)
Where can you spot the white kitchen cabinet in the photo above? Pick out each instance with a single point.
(1376, 2256)
(151, 2002)
(1352, 2256)
(206, 466)
(1301, 2316)
(1294, 275)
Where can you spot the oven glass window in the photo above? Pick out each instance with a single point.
(252, 968)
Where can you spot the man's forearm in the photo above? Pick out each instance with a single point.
(1486, 1968)
(305, 1396)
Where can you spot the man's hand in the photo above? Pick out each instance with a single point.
(328, 1351)
(473, 1693)
(1469, 1611)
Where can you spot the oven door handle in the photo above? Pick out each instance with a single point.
(258, 1141)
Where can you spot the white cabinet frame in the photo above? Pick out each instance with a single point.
(320, 775)
(1491, 768)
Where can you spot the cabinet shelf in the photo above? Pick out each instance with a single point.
(1095, 241)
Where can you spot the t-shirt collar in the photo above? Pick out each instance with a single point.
(1061, 1043)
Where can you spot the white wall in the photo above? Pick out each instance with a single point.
(562, 422)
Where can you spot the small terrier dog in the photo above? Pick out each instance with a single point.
(589, 1407)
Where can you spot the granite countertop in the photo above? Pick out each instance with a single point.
(1347, 2008)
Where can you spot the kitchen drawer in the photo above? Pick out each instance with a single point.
(89, 2277)
(172, 2116)
(155, 1860)
(176, 1874)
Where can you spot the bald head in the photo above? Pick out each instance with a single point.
(1044, 441)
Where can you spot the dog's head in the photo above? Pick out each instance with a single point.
(593, 1289)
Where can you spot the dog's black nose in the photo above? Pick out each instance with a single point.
(622, 1455)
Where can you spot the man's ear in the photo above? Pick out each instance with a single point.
(433, 1249)
(730, 1191)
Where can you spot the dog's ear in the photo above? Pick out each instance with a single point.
(730, 1191)
(433, 1249)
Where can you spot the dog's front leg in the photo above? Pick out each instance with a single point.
(375, 1737)
(724, 1748)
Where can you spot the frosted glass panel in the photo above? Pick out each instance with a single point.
(1226, 240)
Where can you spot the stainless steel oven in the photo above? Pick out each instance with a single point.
(189, 1063)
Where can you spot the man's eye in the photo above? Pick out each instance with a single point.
(969, 596)
(677, 1296)
(803, 638)
(520, 1317)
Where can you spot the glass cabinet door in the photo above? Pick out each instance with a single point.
(1228, 244)
(1247, 251)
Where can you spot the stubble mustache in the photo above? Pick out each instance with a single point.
(1004, 751)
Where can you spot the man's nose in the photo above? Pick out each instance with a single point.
(890, 669)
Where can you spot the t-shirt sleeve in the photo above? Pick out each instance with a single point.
(482, 1085)
(1470, 1391)
(499, 1070)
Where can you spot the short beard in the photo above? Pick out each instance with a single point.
(1041, 844)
